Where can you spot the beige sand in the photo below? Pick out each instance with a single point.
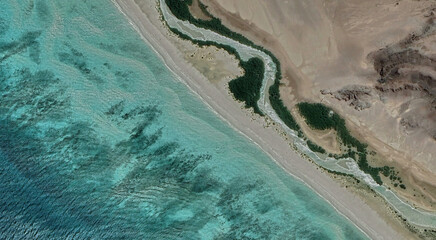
(144, 16)
(327, 139)
(197, 12)
(323, 45)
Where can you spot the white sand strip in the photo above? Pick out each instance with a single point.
(268, 139)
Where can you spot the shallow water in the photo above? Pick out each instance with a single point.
(99, 140)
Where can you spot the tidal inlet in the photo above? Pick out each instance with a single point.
(217, 119)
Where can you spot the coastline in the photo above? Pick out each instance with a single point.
(329, 67)
(216, 97)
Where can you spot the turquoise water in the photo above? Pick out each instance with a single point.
(99, 140)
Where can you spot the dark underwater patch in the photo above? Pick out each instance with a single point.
(34, 52)
(32, 96)
(63, 176)
(68, 170)
(75, 59)
(78, 60)
(43, 10)
(4, 26)
(8, 49)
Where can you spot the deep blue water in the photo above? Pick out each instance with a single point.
(98, 140)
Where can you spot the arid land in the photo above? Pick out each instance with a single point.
(373, 62)
(207, 71)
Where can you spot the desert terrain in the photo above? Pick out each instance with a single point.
(373, 62)
(207, 71)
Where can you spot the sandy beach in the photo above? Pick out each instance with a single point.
(146, 20)
(325, 48)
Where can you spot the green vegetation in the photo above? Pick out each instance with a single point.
(281, 110)
(277, 103)
(204, 9)
(314, 147)
(341, 174)
(200, 43)
(386, 171)
(247, 87)
(321, 117)
(365, 167)
(180, 10)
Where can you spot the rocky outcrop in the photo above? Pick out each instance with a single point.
(406, 77)
(356, 95)
(407, 73)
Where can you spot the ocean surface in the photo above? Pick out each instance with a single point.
(98, 140)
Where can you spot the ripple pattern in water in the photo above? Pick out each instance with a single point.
(99, 141)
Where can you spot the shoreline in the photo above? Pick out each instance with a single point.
(267, 139)
(330, 68)
(244, 47)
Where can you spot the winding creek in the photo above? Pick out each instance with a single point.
(413, 215)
